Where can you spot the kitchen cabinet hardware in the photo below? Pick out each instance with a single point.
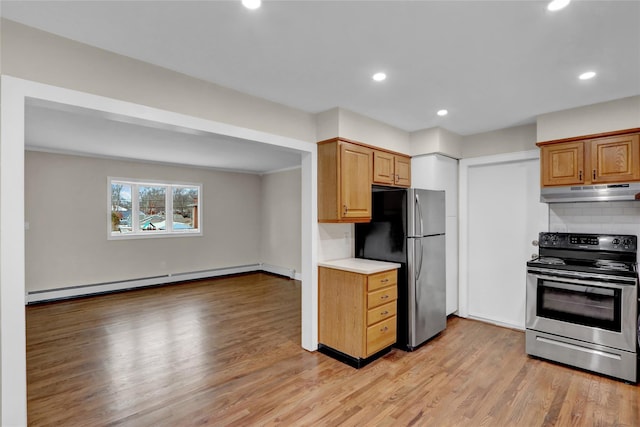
(580, 175)
(594, 174)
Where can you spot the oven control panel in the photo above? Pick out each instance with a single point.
(584, 240)
(595, 242)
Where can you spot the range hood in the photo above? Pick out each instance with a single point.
(590, 193)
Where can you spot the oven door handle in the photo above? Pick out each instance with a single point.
(587, 283)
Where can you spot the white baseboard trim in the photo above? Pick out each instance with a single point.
(101, 288)
(281, 271)
(495, 322)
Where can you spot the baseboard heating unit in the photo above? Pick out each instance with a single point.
(107, 287)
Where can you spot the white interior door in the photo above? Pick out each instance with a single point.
(503, 216)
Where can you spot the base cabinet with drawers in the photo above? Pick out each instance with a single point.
(357, 312)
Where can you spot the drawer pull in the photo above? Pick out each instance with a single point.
(384, 280)
(384, 313)
(385, 329)
(384, 297)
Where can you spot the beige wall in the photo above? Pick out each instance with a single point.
(280, 217)
(597, 118)
(370, 131)
(66, 204)
(350, 125)
(436, 140)
(39, 56)
(509, 140)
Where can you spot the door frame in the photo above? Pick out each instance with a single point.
(14, 93)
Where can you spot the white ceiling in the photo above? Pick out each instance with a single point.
(59, 128)
(492, 64)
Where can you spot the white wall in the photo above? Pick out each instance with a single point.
(335, 241)
(280, 216)
(592, 119)
(66, 243)
(595, 217)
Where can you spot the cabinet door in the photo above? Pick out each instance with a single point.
(615, 159)
(355, 181)
(402, 166)
(562, 164)
(383, 168)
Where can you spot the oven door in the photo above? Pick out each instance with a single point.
(586, 309)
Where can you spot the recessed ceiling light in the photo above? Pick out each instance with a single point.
(442, 113)
(379, 77)
(251, 4)
(588, 75)
(557, 5)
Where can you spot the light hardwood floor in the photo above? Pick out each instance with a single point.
(227, 352)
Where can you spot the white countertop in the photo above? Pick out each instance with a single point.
(359, 265)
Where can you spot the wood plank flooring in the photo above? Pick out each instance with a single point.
(227, 352)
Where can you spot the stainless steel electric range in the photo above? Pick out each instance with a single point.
(582, 302)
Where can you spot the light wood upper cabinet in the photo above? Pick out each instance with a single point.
(391, 169)
(344, 182)
(403, 171)
(615, 159)
(599, 159)
(346, 170)
(562, 164)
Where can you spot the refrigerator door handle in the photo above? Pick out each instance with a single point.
(418, 211)
(418, 262)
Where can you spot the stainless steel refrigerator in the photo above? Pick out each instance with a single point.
(408, 227)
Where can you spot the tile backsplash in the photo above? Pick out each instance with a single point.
(595, 217)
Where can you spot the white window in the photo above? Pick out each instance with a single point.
(140, 209)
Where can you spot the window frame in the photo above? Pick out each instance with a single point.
(169, 231)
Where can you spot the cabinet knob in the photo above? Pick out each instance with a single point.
(385, 329)
(384, 297)
(345, 208)
(384, 313)
(384, 280)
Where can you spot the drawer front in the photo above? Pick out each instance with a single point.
(382, 280)
(381, 335)
(380, 313)
(383, 296)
